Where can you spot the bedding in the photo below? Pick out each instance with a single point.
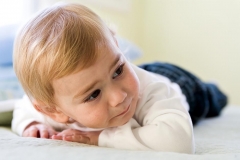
(216, 138)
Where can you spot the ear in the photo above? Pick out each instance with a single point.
(52, 112)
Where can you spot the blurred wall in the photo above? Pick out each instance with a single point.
(124, 16)
(202, 36)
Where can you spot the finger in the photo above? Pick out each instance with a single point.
(62, 133)
(77, 138)
(51, 133)
(67, 138)
(44, 133)
(67, 132)
(32, 133)
(56, 137)
(25, 133)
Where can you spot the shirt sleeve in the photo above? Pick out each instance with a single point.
(161, 123)
(24, 113)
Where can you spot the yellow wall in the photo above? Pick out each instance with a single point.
(202, 36)
(125, 15)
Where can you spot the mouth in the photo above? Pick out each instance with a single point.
(124, 112)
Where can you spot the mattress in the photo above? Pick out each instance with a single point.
(216, 138)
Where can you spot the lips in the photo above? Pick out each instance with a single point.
(124, 111)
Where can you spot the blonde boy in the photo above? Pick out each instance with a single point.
(81, 88)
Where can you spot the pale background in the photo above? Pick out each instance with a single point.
(203, 36)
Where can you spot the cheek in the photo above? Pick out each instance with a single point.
(134, 90)
(133, 82)
(94, 119)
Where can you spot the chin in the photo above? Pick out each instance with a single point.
(128, 118)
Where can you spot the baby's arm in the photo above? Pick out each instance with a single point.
(162, 124)
(38, 130)
(74, 135)
(28, 122)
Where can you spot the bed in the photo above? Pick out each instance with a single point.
(216, 138)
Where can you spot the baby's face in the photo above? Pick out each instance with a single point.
(103, 95)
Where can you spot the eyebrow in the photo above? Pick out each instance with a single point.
(91, 85)
(115, 61)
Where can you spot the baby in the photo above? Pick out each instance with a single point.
(81, 88)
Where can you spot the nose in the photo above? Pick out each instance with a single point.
(116, 96)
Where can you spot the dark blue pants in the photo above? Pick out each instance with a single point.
(204, 99)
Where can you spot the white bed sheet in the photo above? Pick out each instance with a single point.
(216, 138)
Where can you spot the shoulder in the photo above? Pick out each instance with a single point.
(151, 82)
(146, 77)
(158, 93)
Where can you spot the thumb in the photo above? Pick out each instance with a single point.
(77, 138)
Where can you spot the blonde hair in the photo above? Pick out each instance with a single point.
(60, 40)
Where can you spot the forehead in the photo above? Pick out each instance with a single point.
(102, 48)
(99, 69)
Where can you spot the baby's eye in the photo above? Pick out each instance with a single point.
(118, 71)
(94, 95)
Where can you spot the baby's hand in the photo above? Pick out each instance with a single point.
(38, 130)
(78, 136)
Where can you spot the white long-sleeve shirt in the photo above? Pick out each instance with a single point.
(161, 121)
